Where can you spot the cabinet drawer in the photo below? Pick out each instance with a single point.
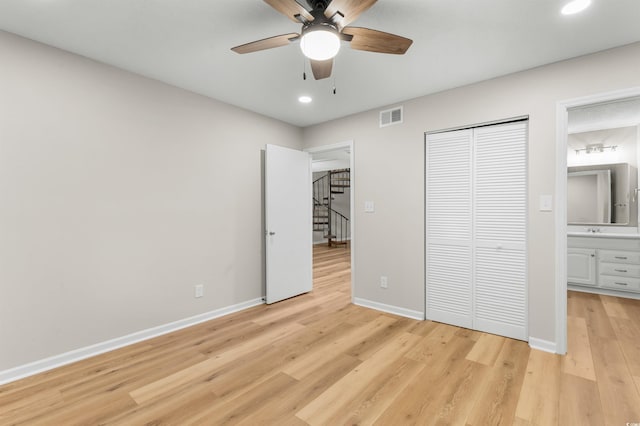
(620, 270)
(619, 256)
(620, 283)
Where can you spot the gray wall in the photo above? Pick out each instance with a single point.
(391, 241)
(117, 195)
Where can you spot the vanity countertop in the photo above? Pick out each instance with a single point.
(603, 235)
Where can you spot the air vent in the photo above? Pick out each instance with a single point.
(390, 116)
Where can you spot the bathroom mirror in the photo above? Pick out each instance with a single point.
(589, 196)
(602, 194)
(603, 154)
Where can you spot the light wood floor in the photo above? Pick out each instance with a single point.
(316, 359)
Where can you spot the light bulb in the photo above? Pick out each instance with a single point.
(320, 45)
(575, 6)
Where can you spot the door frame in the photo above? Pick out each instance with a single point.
(352, 217)
(562, 127)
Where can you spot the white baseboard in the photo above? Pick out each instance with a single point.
(606, 292)
(417, 315)
(542, 345)
(55, 361)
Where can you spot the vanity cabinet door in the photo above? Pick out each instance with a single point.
(581, 266)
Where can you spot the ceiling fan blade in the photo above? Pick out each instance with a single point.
(267, 43)
(344, 12)
(377, 41)
(290, 9)
(321, 69)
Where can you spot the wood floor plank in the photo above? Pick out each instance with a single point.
(598, 322)
(432, 343)
(234, 410)
(204, 368)
(303, 392)
(578, 360)
(230, 335)
(298, 310)
(457, 392)
(628, 336)
(174, 409)
(364, 348)
(632, 308)
(497, 404)
(618, 394)
(575, 304)
(486, 349)
(579, 402)
(538, 402)
(416, 404)
(30, 406)
(334, 399)
(83, 412)
(613, 307)
(422, 328)
(368, 404)
(304, 364)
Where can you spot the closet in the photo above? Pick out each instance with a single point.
(476, 228)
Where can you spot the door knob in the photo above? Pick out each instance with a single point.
(272, 233)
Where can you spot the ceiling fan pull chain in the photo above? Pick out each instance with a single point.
(304, 68)
(335, 61)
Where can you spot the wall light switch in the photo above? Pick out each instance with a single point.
(199, 290)
(546, 203)
(369, 207)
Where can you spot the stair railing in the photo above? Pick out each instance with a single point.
(334, 225)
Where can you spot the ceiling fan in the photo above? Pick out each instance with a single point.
(323, 28)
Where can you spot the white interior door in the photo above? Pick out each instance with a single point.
(288, 216)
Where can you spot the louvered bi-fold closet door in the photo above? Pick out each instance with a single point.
(449, 227)
(476, 206)
(500, 223)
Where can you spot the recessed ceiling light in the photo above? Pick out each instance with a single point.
(305, 99)
(575, 6)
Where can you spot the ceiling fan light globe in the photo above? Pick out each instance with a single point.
(575, 6)
(320, 45)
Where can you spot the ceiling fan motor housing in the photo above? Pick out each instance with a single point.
(318, 4)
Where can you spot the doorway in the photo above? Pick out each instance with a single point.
(333, 200)
(578, 122)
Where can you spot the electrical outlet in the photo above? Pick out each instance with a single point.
(199, 290)
(384, 283)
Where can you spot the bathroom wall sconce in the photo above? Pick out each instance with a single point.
(596, 148)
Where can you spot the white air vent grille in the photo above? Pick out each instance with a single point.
(391, 116)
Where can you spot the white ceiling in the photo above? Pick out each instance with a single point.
(186, 43)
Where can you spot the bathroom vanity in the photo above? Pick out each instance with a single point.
(605, 263)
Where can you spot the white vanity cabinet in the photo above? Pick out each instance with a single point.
(604, 264)
(581, 266)
(619, 270)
